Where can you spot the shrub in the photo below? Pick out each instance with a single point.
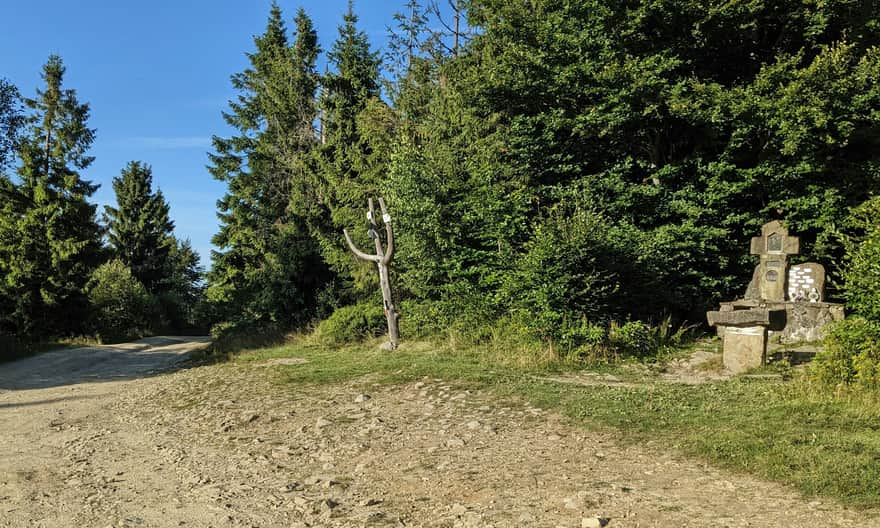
(121, 306)
(633, 338)
(580, 266)
(353, 323)
(424, 318)
(851, 354)
(861, 274)
(12, 348)
(230, 337)
(466, 315)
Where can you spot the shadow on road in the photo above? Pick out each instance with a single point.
(49, 401)
(125, 361)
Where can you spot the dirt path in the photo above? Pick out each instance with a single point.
(222, 446)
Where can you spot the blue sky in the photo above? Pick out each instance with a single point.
(156, 75)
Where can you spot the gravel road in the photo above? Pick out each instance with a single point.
(129, 436)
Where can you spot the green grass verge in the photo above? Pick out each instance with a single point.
(822, 444)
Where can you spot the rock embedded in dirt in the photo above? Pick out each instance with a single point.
(328, 504)
(321, 423)
(454, 441)
(572, 503)
(594, 522)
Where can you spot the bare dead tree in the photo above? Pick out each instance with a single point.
(452, 29)
(382, 258)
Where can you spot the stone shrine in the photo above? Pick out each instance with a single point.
(783, 301)
(774, 246)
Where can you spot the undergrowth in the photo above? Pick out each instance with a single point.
(13, 348)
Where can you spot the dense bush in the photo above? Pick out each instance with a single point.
(633, 338)
(851, 354)
(861, 275)
(12, 348)
(121, 306)
(232, 337)
(353, 323)
(578, 267)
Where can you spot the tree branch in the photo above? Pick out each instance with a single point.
(386, 218)
(358, 253)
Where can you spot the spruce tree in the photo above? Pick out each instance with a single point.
(139, 228)
(50, 240)
(348, 168)
(184, 295)
(11, 119)
(265, 269)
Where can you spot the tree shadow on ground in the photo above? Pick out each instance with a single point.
(124, 361)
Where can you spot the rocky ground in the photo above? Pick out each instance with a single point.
(222, 445)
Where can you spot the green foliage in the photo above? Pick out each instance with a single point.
(567, 165)
(183, 298)
(139, 228)
(268, 267)
(49, 237)
(633, 338)
(861, 275)
(851, 354)
(347, 166)
(121, 305)
(233, 337)
(667, 114)
(352, 323)
(575, 266)
(11, 120)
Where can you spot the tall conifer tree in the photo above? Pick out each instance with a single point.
(265, 269)
(347, 167)
(49, 236)
(139, 228)
(11, 119)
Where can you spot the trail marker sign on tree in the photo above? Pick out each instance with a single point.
(382, 258)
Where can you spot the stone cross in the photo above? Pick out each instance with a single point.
(774, 246)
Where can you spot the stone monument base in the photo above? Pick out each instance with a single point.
(744, 348)
(744, 342)
(804, 321)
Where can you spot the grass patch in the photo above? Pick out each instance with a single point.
(823, 444)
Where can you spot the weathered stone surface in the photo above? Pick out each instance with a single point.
(774, 246)
(796, 292)
(753, 291)
(807, 321)
(744, 348)
(806, 282)
(743, 318)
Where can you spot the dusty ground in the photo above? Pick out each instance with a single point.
(108, 442)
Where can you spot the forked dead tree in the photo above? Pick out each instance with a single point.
(382, 258)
